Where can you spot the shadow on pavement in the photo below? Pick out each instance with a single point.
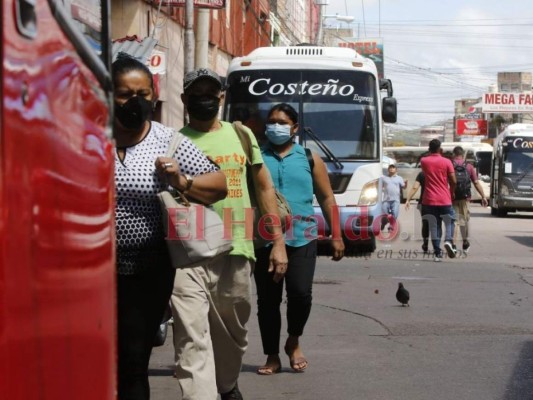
(520, 385)
(511, 215)
(523, 240)
(161, 371)
(478, 214)
(250, 368)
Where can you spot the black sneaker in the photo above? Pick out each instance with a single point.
(425, 248)
(466, 246)
(450, 249)
(233, 394)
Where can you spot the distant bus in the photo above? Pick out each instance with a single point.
(408, 163)
(428, 133)
(57, 246)
(337, 94)
(512, 171)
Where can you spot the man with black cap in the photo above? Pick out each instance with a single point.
(439, 191)
(212, 303)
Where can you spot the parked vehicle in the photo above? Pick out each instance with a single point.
(512, 171)
(57, 266)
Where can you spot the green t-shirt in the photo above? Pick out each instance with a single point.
(224, 148)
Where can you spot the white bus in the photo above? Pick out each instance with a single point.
(337, 94)
(408, 163)
(512, 171)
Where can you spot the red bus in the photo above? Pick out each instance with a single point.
(57, 268)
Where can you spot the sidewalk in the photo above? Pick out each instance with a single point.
(330, 343)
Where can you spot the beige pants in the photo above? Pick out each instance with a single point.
(211, 306)
(462, 217)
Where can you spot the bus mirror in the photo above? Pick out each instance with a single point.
(386, 84)
(389, 111)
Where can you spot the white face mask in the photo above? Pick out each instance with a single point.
(278, 134)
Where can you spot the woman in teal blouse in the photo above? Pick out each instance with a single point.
(297, 179)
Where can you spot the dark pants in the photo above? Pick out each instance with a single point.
(425, 226)
(298, 280)
(142, 300)
(436, 215)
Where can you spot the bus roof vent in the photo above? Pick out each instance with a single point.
(304, 51)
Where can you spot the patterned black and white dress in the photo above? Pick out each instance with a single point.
(139, 230)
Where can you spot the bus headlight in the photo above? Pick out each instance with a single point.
(369, 194)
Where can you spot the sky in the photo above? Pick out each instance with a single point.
(437, 52)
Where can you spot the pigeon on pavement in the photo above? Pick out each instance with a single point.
(402, 295)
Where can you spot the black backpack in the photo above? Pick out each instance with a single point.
(462, 188)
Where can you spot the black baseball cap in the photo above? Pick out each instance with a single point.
(201, 73)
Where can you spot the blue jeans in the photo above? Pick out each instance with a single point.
(391, 207)
(436, 215)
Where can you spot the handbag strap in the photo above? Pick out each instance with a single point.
(177, 138)
(246, 143)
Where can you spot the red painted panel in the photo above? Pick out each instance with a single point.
(57, 280)
(476, 127)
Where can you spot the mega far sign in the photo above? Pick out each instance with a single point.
(513, 103)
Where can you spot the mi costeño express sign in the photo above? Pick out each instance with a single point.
(507, 103)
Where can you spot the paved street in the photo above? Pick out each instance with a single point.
(468, 333)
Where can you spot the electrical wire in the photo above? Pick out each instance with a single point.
(364, 20)
(156, 17)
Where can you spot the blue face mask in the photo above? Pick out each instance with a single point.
(278, 134)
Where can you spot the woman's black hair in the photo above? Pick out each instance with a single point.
(126, 63)
(287, 109)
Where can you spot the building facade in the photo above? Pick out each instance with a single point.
(234, 30)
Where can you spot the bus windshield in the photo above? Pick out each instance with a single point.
(338, 106)
(518, 162)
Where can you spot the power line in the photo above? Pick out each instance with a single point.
(364, 20)
(410, 21)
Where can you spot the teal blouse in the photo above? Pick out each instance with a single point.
(292, 177)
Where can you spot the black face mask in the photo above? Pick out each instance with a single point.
(203, 108)
(133, 113)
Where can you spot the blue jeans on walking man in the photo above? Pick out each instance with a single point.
(390, 207)
(436, 215)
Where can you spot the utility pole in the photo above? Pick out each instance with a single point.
(320, 34)
(202, 38)
(188, 41)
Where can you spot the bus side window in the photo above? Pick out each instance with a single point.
(470, 158)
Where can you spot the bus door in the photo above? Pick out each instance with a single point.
(483, 160)
(57, 280)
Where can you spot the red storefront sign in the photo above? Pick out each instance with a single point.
(477, 127)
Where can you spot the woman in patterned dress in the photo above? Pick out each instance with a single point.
(145, 277)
